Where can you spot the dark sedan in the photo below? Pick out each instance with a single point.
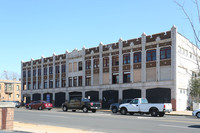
(115, 106)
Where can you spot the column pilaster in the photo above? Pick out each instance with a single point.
(31, 74)
(100, 64)
(42, 73)
(54, 74)
(110, 68)
(92, 71)
(67, 69)
(60, 74)
(120, 61)
(143, 58)
(131, 59)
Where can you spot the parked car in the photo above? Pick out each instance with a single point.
(40, 105)
(81, 104)
(141, 105)
(115, 106)
(196, 113)
(17, 104)
(27, 105)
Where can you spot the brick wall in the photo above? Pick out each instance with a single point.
(6, 118)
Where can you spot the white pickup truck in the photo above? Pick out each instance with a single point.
(141, 105)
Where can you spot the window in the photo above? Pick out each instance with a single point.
(75, 81)
(126, 59)
(34, 85)
(45, 84)
(16, 87)
(63, 82)
(165, 53)
(39, 85)
(57, 83)
(50, 70)
(80, 81)
(70, 81)
(39, 72)
(88, 81)
(29, 73)
(96, 63)
(45, 71)
(34, 72)
(50, 83)
(151, 55)
(17, 96)
(57, 69)
(134, 101)
(80, 68)
(115, 78)
(24, 74)
(115, 60)
(106, 62)
(29, 85)
(137, 57)
(126, 77)
(88, 64)
(63, 68)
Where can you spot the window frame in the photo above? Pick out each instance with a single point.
(137, 57)
(151, 55)
(165, 53)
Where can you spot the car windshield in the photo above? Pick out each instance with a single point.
(85, 100)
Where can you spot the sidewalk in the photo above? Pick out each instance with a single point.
(33, 128)
(180, 113)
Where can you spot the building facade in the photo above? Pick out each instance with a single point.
(157, 67)
(10, 90)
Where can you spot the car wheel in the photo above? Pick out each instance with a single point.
(49, 109)
(65, 108)
(85, 109)
(161, 114)
(154, 112)
(73, 110)
(198, 115)
(114, 110)
(94, 110)
(131, 113)
(123, 111)
(40, 108)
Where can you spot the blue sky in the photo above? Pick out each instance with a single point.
(35, 28)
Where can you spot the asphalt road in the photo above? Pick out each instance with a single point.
(110, 123)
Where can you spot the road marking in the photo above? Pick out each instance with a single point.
(54, 116)
(177, 127)
(180, 121)
(145, 117)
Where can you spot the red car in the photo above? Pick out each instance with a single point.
(40, 105)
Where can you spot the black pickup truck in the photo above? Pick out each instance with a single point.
(81, 104)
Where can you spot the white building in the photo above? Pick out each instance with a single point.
(157, 66)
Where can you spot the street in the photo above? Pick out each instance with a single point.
(108, 122)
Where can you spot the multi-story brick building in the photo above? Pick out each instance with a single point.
(10, 90)
(157, 66)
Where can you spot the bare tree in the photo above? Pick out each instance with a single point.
(195, 29)
(9, 75)
(195, 82)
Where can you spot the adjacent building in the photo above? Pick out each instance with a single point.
(10, 90)
(158, 67)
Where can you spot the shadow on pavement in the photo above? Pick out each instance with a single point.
(3, 131)
(194, 126)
